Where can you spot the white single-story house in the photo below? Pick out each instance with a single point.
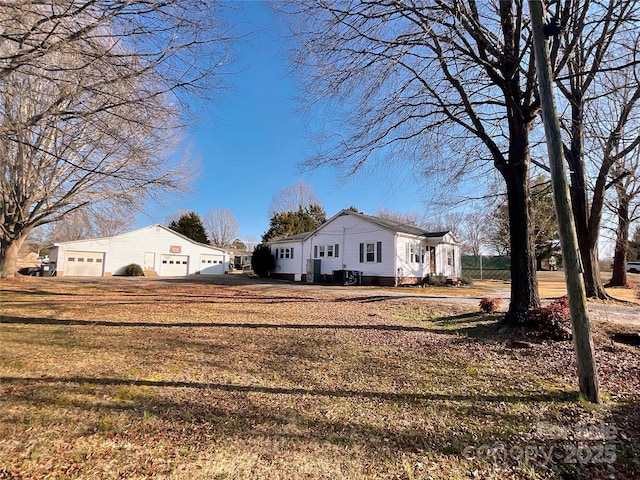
(157, 249)
(352, 247)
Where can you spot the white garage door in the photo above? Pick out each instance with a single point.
(211, 264)
(174, 265)
(84, 264)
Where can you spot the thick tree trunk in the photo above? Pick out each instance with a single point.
(524, 283)
(619, 274)
(593, 285)
(587, 221)
(9, 249)
(587, 238)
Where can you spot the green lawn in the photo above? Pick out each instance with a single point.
(189, 380)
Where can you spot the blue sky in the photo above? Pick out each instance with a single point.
(251, 142)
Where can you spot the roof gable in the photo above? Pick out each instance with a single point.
(139, 230)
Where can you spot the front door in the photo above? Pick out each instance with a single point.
(432, 260)
(149, 261)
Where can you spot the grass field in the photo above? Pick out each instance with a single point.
(136, 378)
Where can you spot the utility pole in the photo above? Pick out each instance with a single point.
(583, 344)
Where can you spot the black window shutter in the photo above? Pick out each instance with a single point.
(379, 252)
(292, 252)
(362, 253)
(337, 250)
(315, 251)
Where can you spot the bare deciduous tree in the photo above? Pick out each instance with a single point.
(626, 208)
(222, 227)
(90, 222)
(89, 110)
(474, 232)
(449, 222)
(251, 241)
(452, 85)
(603, 64)
(295, 196)
(448, 84)
(411, 218)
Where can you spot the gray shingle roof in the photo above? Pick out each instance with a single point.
(292, 238)
(399, 227)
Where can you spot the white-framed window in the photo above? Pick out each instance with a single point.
(451, 259)
(414, 253)
(371, 252)
(417, 253)
(322, 251)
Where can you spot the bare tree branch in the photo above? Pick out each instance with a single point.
(91, 104)
(221, 226)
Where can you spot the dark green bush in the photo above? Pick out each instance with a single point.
(262, 262)
(133, 270)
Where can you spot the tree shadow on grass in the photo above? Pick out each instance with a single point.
(622, 426)
(474, 325)
(471, 326)
(225, 411)
(444, 424)
(212, 324)
(515, 397)
(154, 298)
(42, 293)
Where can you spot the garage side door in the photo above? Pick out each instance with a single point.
(174, 265)
(211, 264)
(84, 264)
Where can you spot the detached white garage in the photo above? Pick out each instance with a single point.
(157, 249)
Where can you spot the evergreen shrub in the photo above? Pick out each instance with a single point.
(133, 270)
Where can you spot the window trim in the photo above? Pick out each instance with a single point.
(373, 256)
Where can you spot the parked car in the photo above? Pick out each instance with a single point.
(633, 267)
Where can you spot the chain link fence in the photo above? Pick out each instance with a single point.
(486, 267)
